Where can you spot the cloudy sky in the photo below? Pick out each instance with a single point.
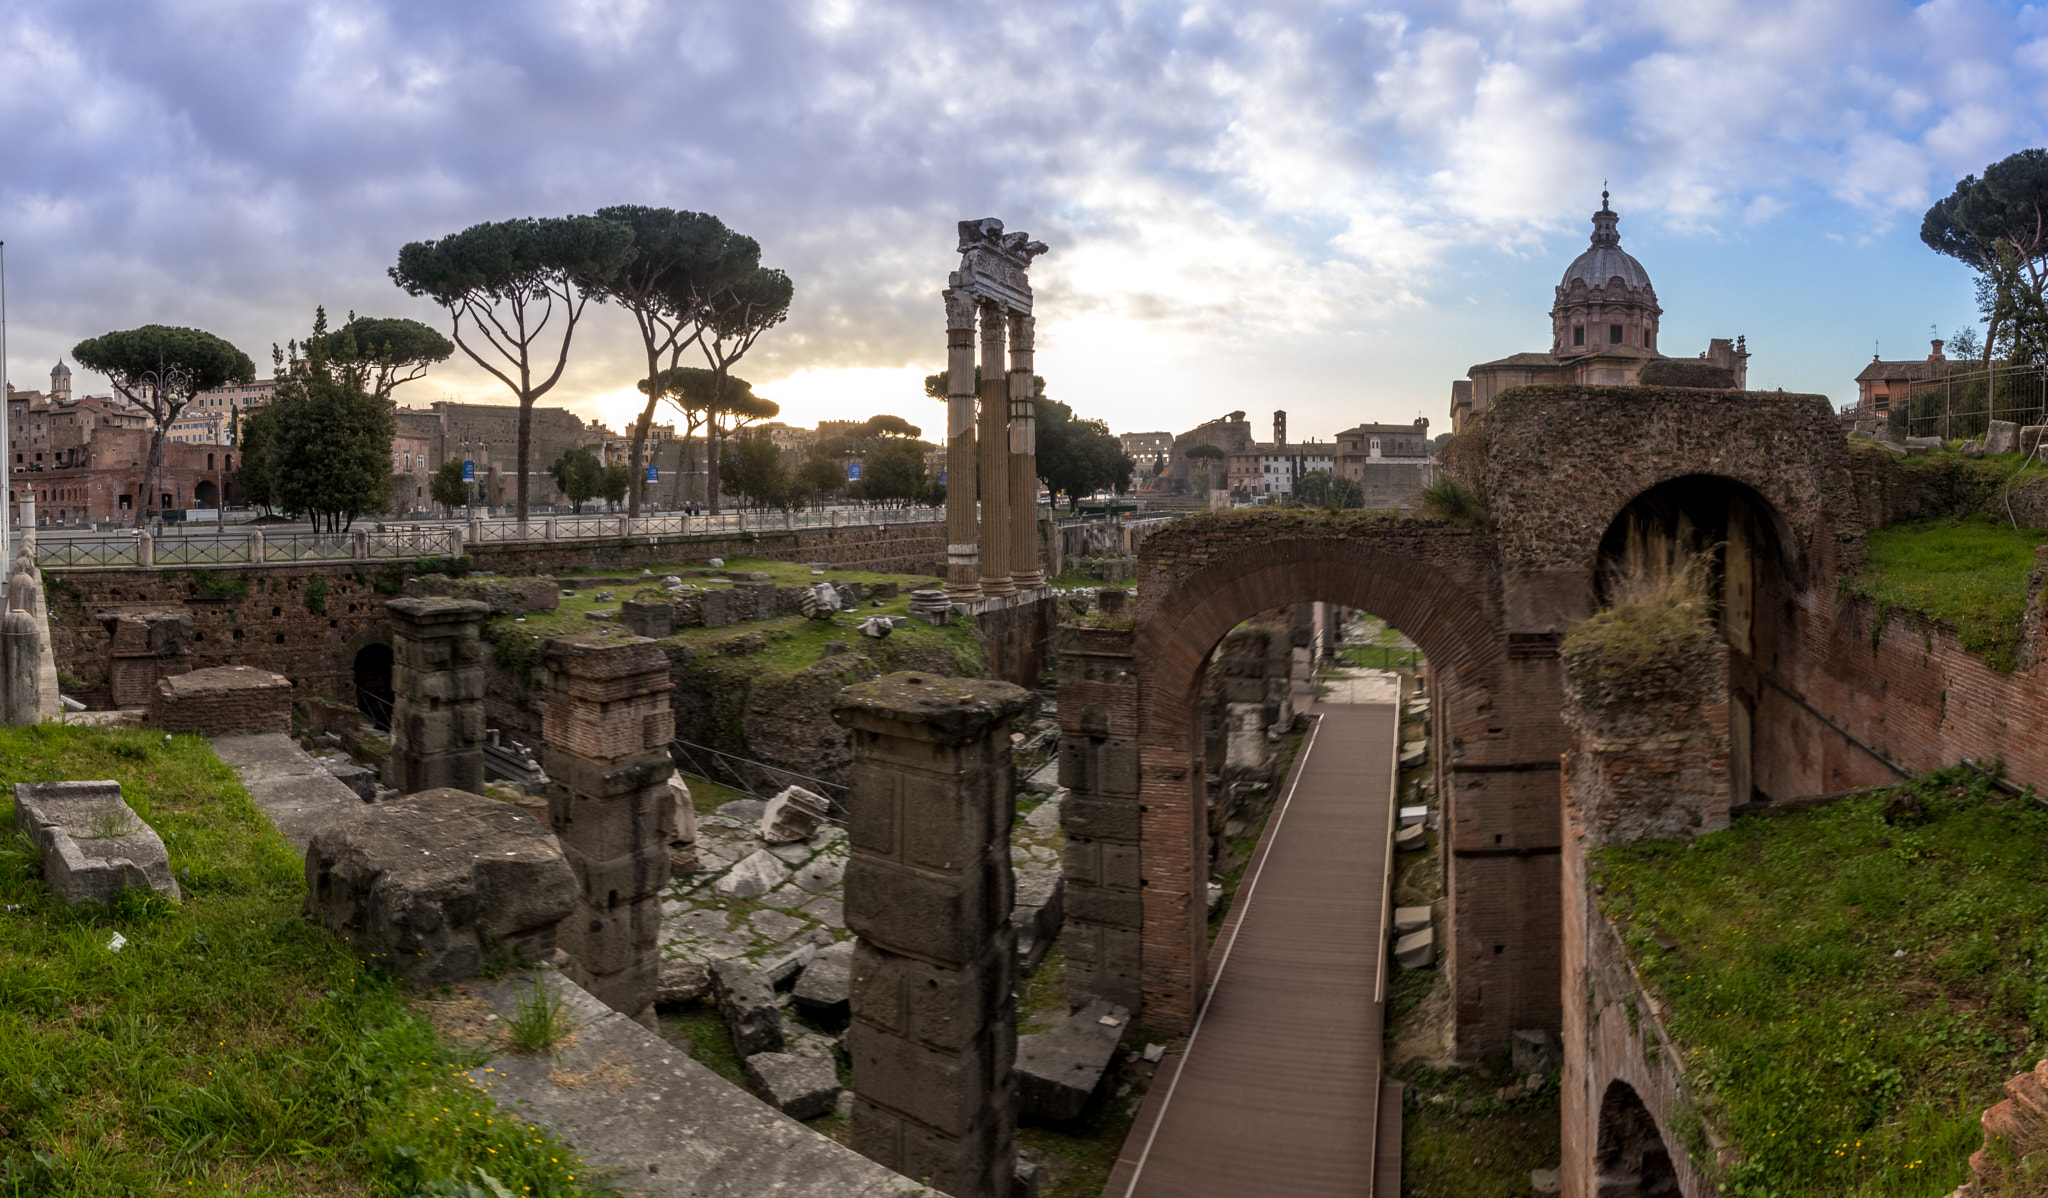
(1329, 208)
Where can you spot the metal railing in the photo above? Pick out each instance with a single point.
(1964, 397)
(201, 550)
(740, 773)
(112, 551)
(308, 547)
(416, 542)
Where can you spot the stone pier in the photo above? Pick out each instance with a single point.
(1025, 570)
(438, 672)
(607, 726)
(1098, 705)
(928, 892)
(995, 456)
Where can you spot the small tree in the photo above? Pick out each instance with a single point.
(617, 482)
(160, 369)
(1077, 457)
(728, 327)
(579, 475)
(893, 470)
(754, 467)
(1320, 488)
(254, 477)
(821, 476)
(503, 283)
(446, 486)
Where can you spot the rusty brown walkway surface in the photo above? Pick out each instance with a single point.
(1279, 1092)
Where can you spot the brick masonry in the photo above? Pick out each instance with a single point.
(928, 893)
(1104, 906)
(607, 725)
(223, 701)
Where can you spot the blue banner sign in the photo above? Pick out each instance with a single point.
(468, 470)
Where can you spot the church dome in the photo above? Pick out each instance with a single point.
(1605, 260)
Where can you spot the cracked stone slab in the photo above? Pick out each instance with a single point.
(775, 926)
(92, 844)
(821, 875)
(753, 877)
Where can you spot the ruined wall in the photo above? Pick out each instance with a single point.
(884, 548)
(269, 626)
(1016, 636)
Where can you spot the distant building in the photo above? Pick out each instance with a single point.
(1883, 385)
(1603, 330)
(1146, 447)
(84, 460)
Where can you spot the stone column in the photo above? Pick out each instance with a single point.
(607, 725)
(1025, 570)
(1098, 709)
(928, 890)
(995, 457)
(963, 539)
(437, 686)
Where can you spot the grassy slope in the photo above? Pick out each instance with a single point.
(1970, 573)
(230, 1046)
(1837, 1066)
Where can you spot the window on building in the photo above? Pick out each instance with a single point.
(1614, 334)
(1649, 339)
(1578, 334)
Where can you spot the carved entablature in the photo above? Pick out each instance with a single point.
(994, 266)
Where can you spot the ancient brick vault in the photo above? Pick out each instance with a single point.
(1570, 476)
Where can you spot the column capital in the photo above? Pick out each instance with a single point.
(959, 309)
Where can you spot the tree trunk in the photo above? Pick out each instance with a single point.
(525, 446)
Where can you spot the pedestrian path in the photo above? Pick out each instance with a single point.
(1279, 1091)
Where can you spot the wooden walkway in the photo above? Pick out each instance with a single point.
(1279, 1092)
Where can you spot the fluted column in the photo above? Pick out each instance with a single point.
(1024, 556)
(995, 457)
(963, 539)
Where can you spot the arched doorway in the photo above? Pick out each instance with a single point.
(205, 494)
(1496, 770)
(373, 684)
(1751, 564)
(1632, 1160)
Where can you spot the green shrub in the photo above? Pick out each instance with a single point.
(213, 588)
(1449, 500)
(316, 596)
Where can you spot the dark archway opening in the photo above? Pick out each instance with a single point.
(204, 494)
(1752, 565)
(1632, 1161)
(373, 684)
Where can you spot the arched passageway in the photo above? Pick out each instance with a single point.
(1495, 755)
(205, 494)
(374, 697)
(1632, 1160)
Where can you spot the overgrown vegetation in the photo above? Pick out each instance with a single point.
(1460, 1138)
(1970, 574)
(1850, 988)
(1449, 500)
(229, 1045)
(1657, 622)
(214, 588)
(316, 595)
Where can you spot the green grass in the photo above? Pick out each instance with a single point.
(540, 1022)
(1450, 1149)
(710, 1044)
(1077, 579)
(230, 1045)
(1836, 1066)
(1970, 574)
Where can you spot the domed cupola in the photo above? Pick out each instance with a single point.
(1605, 301)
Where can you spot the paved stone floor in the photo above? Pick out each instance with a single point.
(1278, 1093)
(793, 892)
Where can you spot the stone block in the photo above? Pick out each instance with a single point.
(802, 1087)
(1058, 1070)
(1085, 815)
(359, 778)
(682, 982)
(1037, 912)
(1411, 839)
(1416, 950)
(607, 939)
(943, 1091)
(92, 844)
(625, 878)
(747, 1004)
(713, 605)
(431, 885)
(756, 875)
(913, 912)
(1410, 919)
(223, 701)
(1535, 1050)
(652, 620)
(792, 815)
(821, 990)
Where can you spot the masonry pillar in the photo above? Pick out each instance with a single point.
(1025, 570)
(995, 457)
(928, 891)
(963, 538)
(607, 725)
(437, 686)
(1648, 760)
(1098, 706)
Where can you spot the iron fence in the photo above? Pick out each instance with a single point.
(416, 542)
(308, 547)
(1960, 404)
(112, 551)
(202, 551)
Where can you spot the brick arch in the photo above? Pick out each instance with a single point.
(1495, 750)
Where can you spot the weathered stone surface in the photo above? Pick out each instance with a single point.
(1410, 919)
(92, 844)
(225, 700)
(754, 876)
(358, 778)
(682, 982)
(1411, 838)
(1416, 950)
(821, 989)
(502, 596)
(431, 884)
(1536, 1050)
(654, 620)
(747, 811)
(819, 602)
(802, 1087)
(794, 814)
(1039, 910)
(747, 1004)
(668, 1128)
(1058, 1070)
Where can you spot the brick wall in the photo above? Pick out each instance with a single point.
(229, 700)
(884, 548)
